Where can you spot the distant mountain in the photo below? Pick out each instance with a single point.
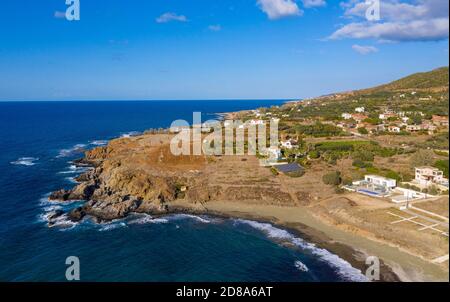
(436, 79)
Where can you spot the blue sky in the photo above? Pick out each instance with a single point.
(222, 49)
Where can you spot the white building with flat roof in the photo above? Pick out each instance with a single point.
(346, 116)
(426, 176)
(381, 181)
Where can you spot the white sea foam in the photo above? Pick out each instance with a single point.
(78, 148)
(99, 142)
(130, 134)
(63, 222)
(25, 161)
(188, 216)
(75, 170)
(144, 219)
(301, 266)
(343, 268)
(112, 225)
(71, 180)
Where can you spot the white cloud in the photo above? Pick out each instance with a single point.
(421, 20)
(421, 30)
(313, 3)
(276, 9)
(364, 50)
(59, 15)
(215, 27)
(168, 17)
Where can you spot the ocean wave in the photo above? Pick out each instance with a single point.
(301, 266)
(78, 148)
(188, 216)
(144, 219)
(75, 170)
(115, 224)
(71, 180)
(25, 161)
(98, 142)
(342, 267)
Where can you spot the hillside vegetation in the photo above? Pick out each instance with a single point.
(432, 80)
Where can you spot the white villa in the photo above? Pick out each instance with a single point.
(360, 109)
(381, 181)
(426, 176)
(346, 116)
(373, 185)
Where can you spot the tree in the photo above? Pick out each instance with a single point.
(363, 131)
(443, 166)
(333, 178)
(416, 119)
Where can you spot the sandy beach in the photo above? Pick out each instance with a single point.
(406, 267)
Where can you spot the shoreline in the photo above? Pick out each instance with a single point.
(311, 230)
(396, 264)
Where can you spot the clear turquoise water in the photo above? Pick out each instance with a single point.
(37, 142)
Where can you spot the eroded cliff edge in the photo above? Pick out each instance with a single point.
(141, 175)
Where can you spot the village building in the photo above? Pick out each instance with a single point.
(429, 126)
(289, 144)
(373, 185)
(360, 109)
(346, 116)
(358, 117)
(426, 176)
(387, 115)
(394, 129)
(440, 120)
(414, 128)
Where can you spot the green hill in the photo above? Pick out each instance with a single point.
(435, 79)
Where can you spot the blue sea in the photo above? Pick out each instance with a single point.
(38, 141)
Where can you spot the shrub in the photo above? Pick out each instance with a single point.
(443, 166)
(333, 178)
(433, 190)
(372, 170)
(274, 171)
(363, 155)
(314, 154)
(363, 130)
(393, 175)
(361, 164)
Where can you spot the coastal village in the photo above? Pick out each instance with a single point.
(387, 144)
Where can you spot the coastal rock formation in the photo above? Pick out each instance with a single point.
(140, 175)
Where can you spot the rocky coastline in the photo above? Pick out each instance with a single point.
(111, 189)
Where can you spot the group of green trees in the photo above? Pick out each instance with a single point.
(318, 130)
